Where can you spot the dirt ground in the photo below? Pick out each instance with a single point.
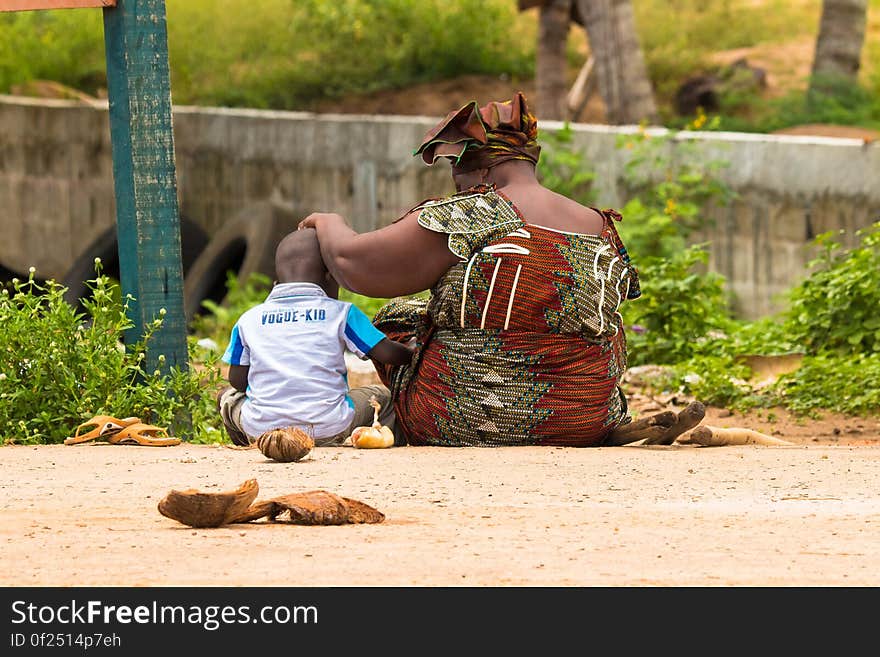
(634, 516)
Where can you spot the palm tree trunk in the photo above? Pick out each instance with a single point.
(619, 63)
(839, 44)
(551, 64)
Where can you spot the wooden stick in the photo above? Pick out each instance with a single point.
(717, 437)
(581, 90)
(23, 5)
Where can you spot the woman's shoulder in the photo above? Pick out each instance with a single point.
(468, 196)
(471, 218)
(476, 209)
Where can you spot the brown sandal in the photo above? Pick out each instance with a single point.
(144, 434)
(105, 427)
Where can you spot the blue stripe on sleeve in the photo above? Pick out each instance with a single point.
(360, 330)
(232, 355)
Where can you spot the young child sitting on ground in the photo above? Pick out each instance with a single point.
(287, 355)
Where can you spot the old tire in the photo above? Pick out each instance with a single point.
(192, 241)
(244, 245)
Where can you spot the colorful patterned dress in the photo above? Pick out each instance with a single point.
(520, 343)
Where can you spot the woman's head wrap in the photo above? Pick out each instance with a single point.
(482, 137)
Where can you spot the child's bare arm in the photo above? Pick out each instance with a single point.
(391, 352)
(238, 377)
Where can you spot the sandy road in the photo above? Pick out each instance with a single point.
(630, 516)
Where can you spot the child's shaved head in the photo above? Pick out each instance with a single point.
(298, 259)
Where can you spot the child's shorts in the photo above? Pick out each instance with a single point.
(229, 404)
(230, 400)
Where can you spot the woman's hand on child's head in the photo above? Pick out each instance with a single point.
(308, 222)
(312, 220)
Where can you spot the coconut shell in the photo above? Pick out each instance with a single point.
(315, 507)
(285, 445)
(197, 509)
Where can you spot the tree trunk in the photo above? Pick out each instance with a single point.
(551, 63)
(619, 64)
(840, 40)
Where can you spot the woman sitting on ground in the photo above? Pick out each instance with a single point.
(521, 341)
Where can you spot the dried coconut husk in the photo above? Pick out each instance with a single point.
(197, 509)
(314, 507)
(285, 445)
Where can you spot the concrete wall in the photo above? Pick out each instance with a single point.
(56, 187)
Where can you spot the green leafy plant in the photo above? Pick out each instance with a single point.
(831, 317)
(679, 308)
(716, 380)
(836, 307)
(59, 367)
(829, 382)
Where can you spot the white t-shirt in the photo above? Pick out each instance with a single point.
(295, 343)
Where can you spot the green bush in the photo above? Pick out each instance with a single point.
(717, 380)
(830, 382)
(668, 186)
(836, 307)
(59, 367)
(831, 317)
(679, 308)
(668, 183)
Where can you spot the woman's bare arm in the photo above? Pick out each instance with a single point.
(396, 260)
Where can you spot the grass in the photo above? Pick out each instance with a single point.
(288, 55)
(65, 46)
(679, 36)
